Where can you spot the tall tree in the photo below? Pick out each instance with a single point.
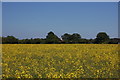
(51, 38)
(101, 38)
(66, 37)
(75, 38)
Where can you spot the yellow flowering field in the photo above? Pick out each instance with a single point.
(60, 61)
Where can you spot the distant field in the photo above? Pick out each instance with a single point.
(60, 61)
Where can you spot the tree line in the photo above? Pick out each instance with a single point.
(51, 38)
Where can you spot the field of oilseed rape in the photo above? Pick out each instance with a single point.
(60, 61)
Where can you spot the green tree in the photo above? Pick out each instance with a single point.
(51, 38)
(102, 38)
(36, 41)
(66, 38)
(0, 40)
(75, 38)
(10, 40)
(84, 41)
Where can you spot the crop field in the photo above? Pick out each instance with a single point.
(60, 61)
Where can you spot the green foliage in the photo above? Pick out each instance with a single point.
(52, 38)
(102, 38)
(83, 41)
(9, 40)
(0, 39)
(68, 38)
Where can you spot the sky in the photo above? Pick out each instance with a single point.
(0, 19)
(36, 19)
(60, 0)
